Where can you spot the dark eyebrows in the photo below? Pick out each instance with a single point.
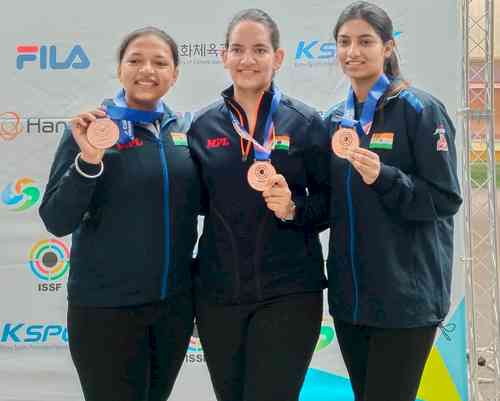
(139, 54)
(364, 36)
(257, 45)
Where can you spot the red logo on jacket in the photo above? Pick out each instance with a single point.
(134, 143)
(217, 142)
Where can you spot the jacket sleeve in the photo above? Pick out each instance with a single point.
(68, 194)
(432, 191)
(313, 209)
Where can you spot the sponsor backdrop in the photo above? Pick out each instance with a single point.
(61, 62)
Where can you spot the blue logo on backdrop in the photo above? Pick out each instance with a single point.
(52, 57)
(308, 50)
(17, 333)
(315, 49)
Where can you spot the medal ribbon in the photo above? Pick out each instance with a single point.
(124, 116)
(376, 92)
(261, 152)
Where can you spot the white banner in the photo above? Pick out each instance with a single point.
(60, 58)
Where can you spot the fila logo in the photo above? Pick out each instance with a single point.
(49, 57)
(217, 142)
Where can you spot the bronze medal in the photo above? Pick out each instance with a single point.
(258, 174)
(103, 133)
(343, 141)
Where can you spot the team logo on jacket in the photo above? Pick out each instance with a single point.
(382, 140)
(179, 138)
(282, 142)
(134, 143)
(221, 142)
(441, 144)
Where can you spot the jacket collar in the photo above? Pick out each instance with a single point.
(228, 93)
(169, 115)
(337, 111)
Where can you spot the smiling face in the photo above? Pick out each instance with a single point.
(361, 52)
(147, 71)
(250, 57)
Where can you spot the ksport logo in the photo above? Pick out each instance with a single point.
(21, 194)
(50, 57)
(316, 50)
(15, 333)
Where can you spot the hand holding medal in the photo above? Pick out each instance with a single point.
(366, 163)
(345, 142)
(278, 197)
(261, 169)
(80, 127)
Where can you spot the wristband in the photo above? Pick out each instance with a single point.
(77, 167)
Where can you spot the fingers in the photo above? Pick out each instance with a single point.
(366, 163)
(277, 196)
(366, 152)
(277, 180)
(280, 209)
(364, 156)
(83, 120)
(276, 185)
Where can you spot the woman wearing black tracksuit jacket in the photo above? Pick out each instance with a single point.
(132, 212)
(394, 192)
(259, 280)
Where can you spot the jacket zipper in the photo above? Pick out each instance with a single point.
(352, 242)
(166, 214)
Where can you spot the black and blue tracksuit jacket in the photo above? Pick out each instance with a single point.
(391, 243)
(134, 227)
(245, 253)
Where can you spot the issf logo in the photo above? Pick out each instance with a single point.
(326, 335)
(50, 57)
(21, 194)
(49, 262)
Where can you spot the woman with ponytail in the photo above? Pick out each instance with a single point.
(391, 247)
(394, 193)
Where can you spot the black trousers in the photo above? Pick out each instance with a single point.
(130, 353)
(261, 351)
(384, 364)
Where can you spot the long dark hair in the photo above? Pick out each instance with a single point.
(381, 23)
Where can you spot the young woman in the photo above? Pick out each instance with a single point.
(260, 278)
(132, 212)
(394, 193)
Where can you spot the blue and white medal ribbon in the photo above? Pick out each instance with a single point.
(125, 116)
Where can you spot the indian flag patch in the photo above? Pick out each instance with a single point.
(282, 142)
(382, 140)
(179, 138)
